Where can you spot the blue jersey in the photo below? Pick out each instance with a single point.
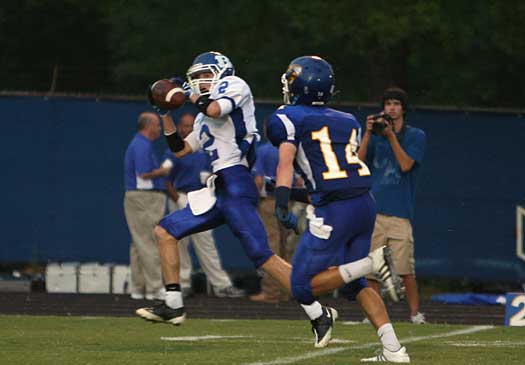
(326, 141)
(140, 158)
(185, 174)
(267, 160)
(393, 189)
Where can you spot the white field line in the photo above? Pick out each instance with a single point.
(200, 338)
(219, 337)
(313, 354)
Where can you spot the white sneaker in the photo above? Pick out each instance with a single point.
(137, 296)
(160, 295)
(418, 318)
(365, 321)
(400, 356)
(384, 270)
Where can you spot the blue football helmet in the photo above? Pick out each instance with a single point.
(309, 80)
(209, 62)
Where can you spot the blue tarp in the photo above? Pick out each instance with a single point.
(62, 187)
(470, 299)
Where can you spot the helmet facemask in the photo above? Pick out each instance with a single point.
(287, 80)
(196, 82)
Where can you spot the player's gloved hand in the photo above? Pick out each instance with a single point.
(183, 84)
(160, 111)
(287, 219)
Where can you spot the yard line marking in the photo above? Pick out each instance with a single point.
(496, 343)
(200, 338)
(313, 354)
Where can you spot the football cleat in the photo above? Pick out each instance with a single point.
(383, 268)
(399, 356)
(163, 314)
(322, 327)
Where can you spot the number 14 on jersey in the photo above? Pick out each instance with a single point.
(330, 158)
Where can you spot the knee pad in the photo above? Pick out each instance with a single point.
(350, 290)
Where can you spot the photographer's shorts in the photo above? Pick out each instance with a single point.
(396, 233)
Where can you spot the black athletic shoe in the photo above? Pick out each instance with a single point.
(322, 327)
(162, 313)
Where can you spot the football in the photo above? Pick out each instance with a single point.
(167, 95)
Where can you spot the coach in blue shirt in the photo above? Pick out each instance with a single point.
(394, 155)
(144, 207)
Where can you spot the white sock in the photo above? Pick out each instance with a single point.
(174, 299)
(314, 310)
(355, 269)
(388, 337)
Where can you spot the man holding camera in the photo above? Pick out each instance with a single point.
(394, 152)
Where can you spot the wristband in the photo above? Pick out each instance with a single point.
(282, 197)
(175, 142)
(202, 103)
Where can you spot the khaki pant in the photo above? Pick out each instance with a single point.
(144, 210)
(396, 233)
(206, 251)
(282, 242)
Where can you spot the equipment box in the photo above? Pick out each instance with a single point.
(120, 279)
(62, 278)
(94, 278)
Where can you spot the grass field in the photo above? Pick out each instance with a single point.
(103, 340)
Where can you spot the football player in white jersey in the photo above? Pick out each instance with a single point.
(226, 129)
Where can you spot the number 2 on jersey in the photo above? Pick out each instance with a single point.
(330, 158)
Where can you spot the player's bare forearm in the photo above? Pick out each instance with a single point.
(285, 168)
(168, 124)
(213, 110)
(363, 148)
(259, 182)
(160, 172)
(404, 160)
(185, 151)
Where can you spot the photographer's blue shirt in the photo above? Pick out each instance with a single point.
(185, 173)
(393, 189)
(139, 159)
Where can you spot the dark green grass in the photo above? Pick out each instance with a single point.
(103, 340)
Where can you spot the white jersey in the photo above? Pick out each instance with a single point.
(230, 138)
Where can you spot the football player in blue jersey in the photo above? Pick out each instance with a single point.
(225, 128)
(322, 144)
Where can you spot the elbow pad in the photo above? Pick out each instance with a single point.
(175, 142)
(202, 103)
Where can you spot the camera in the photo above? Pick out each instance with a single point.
(378, 126)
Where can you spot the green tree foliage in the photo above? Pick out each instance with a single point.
(40, 36)
(441, 51)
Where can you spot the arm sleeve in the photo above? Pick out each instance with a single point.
(416, 144)
(230, 93)
(281, 129)
(193, 141)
